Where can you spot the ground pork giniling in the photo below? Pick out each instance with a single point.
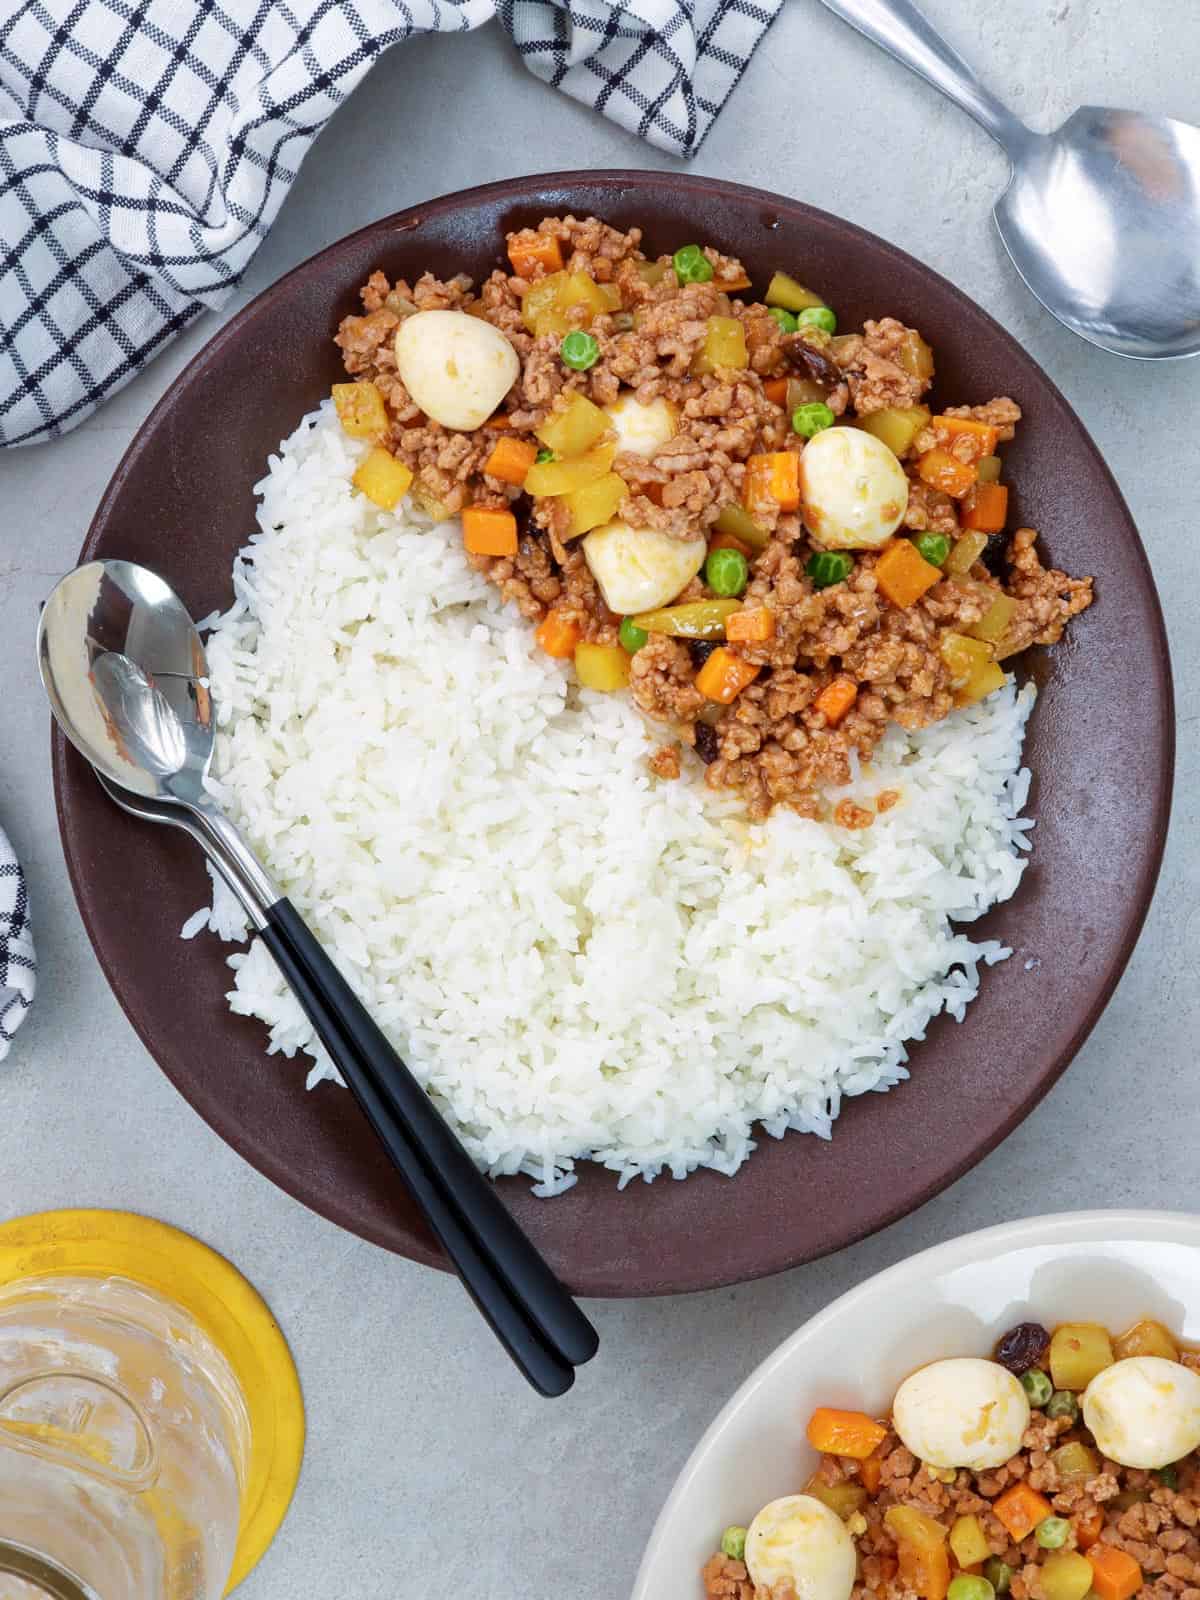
(819, 663)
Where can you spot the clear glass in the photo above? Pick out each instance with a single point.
(124, 1440)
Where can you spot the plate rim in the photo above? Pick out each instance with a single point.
(528, 190)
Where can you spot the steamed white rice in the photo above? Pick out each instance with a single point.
(578, 959)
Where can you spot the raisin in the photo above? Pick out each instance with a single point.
(818, 366)
(995, 555)
(707, 747)
(701, 649)
(1022, 1347)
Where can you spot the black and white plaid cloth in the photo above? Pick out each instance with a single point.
(18, 965)
(147, 145)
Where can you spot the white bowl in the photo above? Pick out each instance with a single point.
(954, 1300)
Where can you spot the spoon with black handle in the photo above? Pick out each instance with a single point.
(126, 675)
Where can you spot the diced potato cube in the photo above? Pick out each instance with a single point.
(914, 355)
(724, 346)
(360, 410)
(994, 623)
(784, 291)
(897, 426)
(989, 469)
(969, 1542)
(595, 503)
(601, 666)
(965, 554)
(583, 290)
(1146, 1338)
(651, 272)
(546, 295)
(1078, 1351)
(564, 477)
(574, 429)
(962, 656)
(844, 1499)
(913, 1527)
(425, 500)
(382, 478)
(1065, 1575)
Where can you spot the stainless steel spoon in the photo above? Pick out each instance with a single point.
(126, 674)
(1101, 217)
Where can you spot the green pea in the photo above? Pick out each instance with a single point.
(812, 418)
(631, 636)
(733, 1543)
(579, 350)
(829, 566)
(817, 317)
(785, 319)
(1034, 1382)
(1062, 1403)
(998, 1573)
(934, 548)
(968, 1587)
(1051, 1533)
(692, 265)
(1168, 1477)
(544, 455)
(726, 572)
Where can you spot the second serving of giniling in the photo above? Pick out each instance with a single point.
(615, 682)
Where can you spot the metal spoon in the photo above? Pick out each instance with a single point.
(126, 674)
(1101, 218)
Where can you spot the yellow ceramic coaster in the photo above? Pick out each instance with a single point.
(232, 1313)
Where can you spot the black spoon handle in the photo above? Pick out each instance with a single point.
(511, 1283)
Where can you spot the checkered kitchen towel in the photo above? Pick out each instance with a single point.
(146, 146)
(18, 965)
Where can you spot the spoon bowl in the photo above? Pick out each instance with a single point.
(1102, 221)
(125, 671)
(1101, 218)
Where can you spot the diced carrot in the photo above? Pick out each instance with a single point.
(844, 1433)
(925, 1572)
(558, 634)
(732, 285)
(775, 390)
(1088, 1529)
(510, 460)
(833, 702)
(528, 250)
(1020, 1509)
(982, 435)
(774, 477)
(903, 574)
(940, 470)
(1115, 1574)
(724, 675)
(751, 625)
(487, 532)
(499, 422)
(729, 541)
(871, 1473)
(985, 508)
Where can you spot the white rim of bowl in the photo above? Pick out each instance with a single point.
(1055, 1227)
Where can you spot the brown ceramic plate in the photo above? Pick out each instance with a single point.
(1100, 746)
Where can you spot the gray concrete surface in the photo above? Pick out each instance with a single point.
(429, 1468)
